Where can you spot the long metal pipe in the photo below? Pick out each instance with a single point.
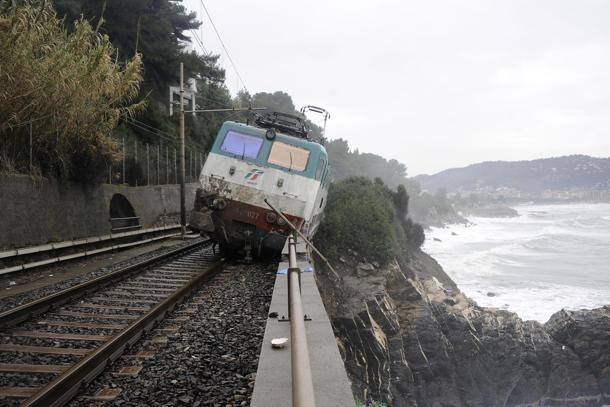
(302, 383)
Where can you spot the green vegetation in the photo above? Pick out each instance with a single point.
(369, 217)
(52, 83)
(157, 31)
(68, 86)
(430, 208)
(351, 163)
(425, 208)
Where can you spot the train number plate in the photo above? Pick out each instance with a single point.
(252, 215)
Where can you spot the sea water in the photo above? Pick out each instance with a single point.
(548, 258)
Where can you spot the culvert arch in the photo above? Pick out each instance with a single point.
(122, 215)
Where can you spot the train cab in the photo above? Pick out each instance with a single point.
(248, 164)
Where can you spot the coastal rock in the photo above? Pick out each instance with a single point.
(363, 269)
(587, 334)
(410, 337)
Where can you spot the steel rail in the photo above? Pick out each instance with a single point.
(64, 387)
(81, 242)
(110, 242)
(25, 311)
(302, 382)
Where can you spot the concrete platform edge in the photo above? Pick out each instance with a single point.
(273, 386)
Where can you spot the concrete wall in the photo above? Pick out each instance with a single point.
(40, 211)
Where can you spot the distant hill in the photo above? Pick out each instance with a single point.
(574, 171)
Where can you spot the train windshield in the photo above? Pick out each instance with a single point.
(242, 145)
(288, 156)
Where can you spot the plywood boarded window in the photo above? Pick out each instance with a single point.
(288, 156)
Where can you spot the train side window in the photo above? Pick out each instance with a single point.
(288, 156)
(320, 168)
(241, 145)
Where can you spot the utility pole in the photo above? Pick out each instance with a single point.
(182, 189)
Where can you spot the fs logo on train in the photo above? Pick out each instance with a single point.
(253, 175)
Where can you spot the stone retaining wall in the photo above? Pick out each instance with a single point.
(40, 211)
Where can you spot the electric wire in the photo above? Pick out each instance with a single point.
(193, 144)
(198, 40)
(150, 127)
(223, 104)
(207, 53)
(162, 134)
(224, 46)
(128, 121)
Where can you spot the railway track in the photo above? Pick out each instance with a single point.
(28, 258)
(53, 345)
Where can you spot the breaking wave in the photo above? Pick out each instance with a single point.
(550, 257)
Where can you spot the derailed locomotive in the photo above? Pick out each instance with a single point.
(271, 159)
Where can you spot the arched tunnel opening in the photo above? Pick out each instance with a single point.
(122, 215)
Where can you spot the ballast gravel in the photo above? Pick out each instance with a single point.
(212, 357)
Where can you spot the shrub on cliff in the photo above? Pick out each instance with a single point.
(414, 233)
(360, 215)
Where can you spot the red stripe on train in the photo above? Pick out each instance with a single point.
(255, 215)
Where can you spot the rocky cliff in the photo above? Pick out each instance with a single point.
(409, 337)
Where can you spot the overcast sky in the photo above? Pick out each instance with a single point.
(433, 84)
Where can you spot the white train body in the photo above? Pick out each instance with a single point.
(242, 170)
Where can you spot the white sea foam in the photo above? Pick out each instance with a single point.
(550, 257)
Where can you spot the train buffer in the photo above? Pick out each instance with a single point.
(320, 380)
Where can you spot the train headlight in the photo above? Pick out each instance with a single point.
(281, 221)
(271, 217)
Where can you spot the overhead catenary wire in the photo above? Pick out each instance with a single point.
(160, 133)
(149, 126)
(153, 130)
(193, 145)
(224, 104)
(198, 41)
(165, 135)
(224, 47)
(196, 36)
